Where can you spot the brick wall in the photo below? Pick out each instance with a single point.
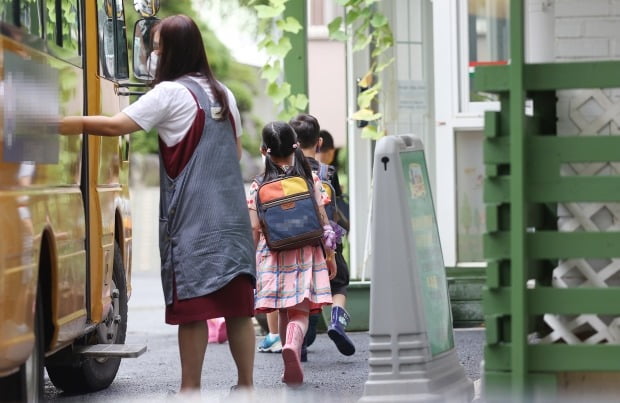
(587, 29)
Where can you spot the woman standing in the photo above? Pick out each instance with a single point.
(206, 246)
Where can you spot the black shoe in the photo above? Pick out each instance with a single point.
(311, 333)
(304, 353)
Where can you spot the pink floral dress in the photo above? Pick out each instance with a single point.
(285, 278)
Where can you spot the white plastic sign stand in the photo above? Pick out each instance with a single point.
(412, 352)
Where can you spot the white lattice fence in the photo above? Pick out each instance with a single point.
(591, 112)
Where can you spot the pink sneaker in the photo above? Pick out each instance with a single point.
(217, 330)
(293, 373)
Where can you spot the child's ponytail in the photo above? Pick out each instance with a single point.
(272, 170)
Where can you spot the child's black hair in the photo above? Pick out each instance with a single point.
(280, 140)
(307, 129)
(328, 141)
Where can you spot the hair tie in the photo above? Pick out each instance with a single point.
(295, 145)
(268, 151)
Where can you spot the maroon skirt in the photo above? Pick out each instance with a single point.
(235, 299)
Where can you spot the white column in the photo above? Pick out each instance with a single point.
(360, 168)
(539, 31)
(446, 95)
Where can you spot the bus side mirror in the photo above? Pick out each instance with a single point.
(144, 59)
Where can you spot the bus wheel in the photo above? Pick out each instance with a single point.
(26, 385)
(89, 374)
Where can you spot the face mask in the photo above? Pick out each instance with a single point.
(152, 64)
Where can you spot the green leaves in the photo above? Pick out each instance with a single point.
(277, 46)
(335, 31)
(382, 66)
(372, 132)
(362, 23)
(280, 49)
(361, 42)
(365, 98)
(294, 105)
(366, 114)
(277, 92)
(271, 72)
(299, 101)
(266, 12)
(370, 29)
(289, 25)
(378, 20)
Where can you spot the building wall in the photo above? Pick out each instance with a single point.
(327, 84)
(587, 30)
(332, 71)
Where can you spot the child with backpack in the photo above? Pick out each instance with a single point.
(309, 134)
(292, 278)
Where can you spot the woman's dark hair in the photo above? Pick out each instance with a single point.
(280, 140)
(183, 52)
(328, 141)
(307, 129)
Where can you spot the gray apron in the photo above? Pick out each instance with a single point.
(205, 237)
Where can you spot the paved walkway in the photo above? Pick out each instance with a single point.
(331, 377)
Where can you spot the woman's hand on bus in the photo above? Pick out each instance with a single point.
(116, 125)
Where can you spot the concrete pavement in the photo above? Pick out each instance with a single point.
(155, 376)
(330, 376)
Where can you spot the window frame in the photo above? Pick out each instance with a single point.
(465, 105)
(119, 40)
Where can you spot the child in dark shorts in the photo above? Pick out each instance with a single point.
(313, 140)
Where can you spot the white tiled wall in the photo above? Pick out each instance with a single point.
(587, 30)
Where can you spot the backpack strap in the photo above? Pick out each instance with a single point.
(324, 173)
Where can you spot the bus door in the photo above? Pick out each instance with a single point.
(109, 207)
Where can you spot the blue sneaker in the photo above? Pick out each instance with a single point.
(270, 344)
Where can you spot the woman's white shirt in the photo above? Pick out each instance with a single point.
(170, 108)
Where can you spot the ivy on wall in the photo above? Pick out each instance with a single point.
(276, 46)
(363, 25)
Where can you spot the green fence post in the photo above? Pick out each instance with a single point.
(296, 61)
(518, 224)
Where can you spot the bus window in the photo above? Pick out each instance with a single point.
(70, 30)
(113, 40)
(30, 17)
(62, 29)
(7, 12)
(25, 14)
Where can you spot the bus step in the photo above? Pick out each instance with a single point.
(111, 350)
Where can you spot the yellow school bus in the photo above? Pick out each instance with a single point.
(65, 220)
